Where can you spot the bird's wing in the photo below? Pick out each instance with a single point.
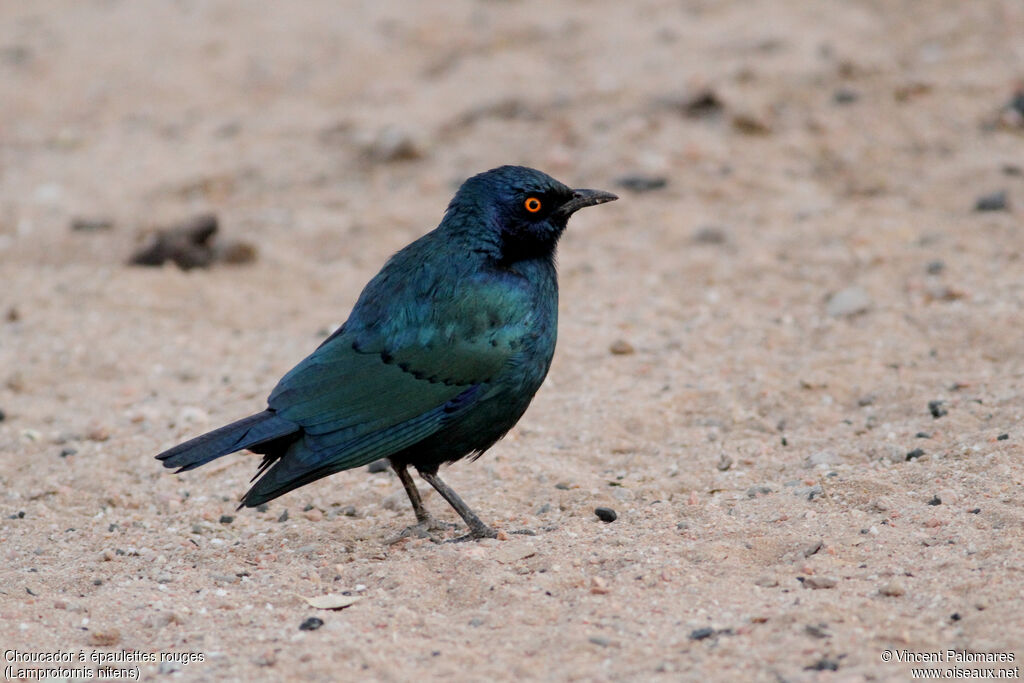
(366, 380)
(368, 393)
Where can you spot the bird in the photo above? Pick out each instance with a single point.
(439, 358)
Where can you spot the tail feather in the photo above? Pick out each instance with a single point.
(245, 433)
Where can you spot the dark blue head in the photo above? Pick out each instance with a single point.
(524, 209)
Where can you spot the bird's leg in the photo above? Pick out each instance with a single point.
(425, 522)
(477, 529)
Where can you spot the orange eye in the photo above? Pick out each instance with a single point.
(532, 205)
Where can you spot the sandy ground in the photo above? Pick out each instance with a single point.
(754, 442)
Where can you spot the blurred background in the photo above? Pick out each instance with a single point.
(814, 273)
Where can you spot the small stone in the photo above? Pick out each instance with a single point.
(813, 548)
(105, 638)
(916, 453)
(703, 103)
(311, 624)
(94, 224)
(923, 435)
(167, 668)
(995, 201)
(710, 234)
(599, 586)
(974, 511)
(65, 452)
(823, 665)
(820, 582)
(393, 144)
(562, 486)
(283, 517)
(313, 515)
(262, 507)
(816, 630)
(865, 401)
(935, 500)
(845, 96)
(349, 511)
(755, 491)
(227, 519)
(936, 409)
(99, 433)
(378, 466)
(702, 633)
(892, 589)
(600, 640)
(766, 582)
(935, 267)
(638, 182)
(848, 302)
(750, 124)
(621, 347)
(1001, 437)
(606, 515)
(955, 616)
(724, 463)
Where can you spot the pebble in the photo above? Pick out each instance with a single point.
(1001, 437)
(995, 201)
(599, 586)
(227, 519)
(935, 267)
(638, 182)
(813, 548)
(820, 582)
(702, 633)
(313, 515)
(848, 302)
(754, 491)
(916, 453)
(766, 582)
(3, 416)
(393, 144)
(845, 96)
(349, 511)
(823, 665)
(606, 514)
(600, 640)
(621, 347)
(893, 589)
(311, 624)
(93, 224)
(724, 463)
(105, 638)
(710, 234)
(704, 103)
(65, 452)
(283, 517)
(816, 630)
(923, 435)
(936, 409)
(935, 500)
(378, 466)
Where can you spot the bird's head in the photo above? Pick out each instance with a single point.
(524, 210)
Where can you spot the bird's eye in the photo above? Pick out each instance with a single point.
(532, 205)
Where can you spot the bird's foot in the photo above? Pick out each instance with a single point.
(427, 528)
(487, 532)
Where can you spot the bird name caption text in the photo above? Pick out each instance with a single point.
(89, 664)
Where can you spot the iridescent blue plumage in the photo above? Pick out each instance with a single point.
(439, 358)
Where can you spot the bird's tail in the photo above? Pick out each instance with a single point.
(245, 433)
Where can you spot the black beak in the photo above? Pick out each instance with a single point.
(584, 198)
